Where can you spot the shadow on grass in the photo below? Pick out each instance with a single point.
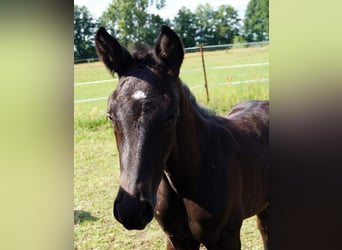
(81, 216)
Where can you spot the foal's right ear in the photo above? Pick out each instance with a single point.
(169, 49)
(114, 56)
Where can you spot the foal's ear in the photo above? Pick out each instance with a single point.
(114, 56)
(169, 49)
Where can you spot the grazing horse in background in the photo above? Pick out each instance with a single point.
(199, 174)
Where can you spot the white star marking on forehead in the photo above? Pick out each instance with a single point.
(139, 95)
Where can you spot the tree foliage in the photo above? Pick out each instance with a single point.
(84, 29)
(152, 28)
(227, 24)
(205, 16)
(185, 25)
(130, 21)
(256, 21)
(206, 25)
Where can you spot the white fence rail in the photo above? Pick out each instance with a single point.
(193, 49)
(227, 46)
(192, 87)
(183, 71)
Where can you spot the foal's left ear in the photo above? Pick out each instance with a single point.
(169, 49)
(114, 56)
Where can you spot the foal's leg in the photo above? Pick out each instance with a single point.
(172, 218)
(262, 221)
(228, 238)
(182, 244)
(228, 241)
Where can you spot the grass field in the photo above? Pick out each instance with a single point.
(96, 169)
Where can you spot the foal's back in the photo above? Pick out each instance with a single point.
(249, 123)
(250, 120)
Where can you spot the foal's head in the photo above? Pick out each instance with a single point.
(144, 109)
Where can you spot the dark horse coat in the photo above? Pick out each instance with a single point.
(197, 173)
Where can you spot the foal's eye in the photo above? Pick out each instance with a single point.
(109, 116)
(171, 120)
(112, 119)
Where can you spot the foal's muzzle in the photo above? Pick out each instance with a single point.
(131, 212)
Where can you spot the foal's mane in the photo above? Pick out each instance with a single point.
(202, 110)
(142, 53)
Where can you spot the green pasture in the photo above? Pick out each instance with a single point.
(96, 169)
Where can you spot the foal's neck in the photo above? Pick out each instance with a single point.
(185, 159)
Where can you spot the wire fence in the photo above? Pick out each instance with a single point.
(190, 50)
(192, 87)
(226, 46)
(196, 49)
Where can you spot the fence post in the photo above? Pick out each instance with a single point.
(204, 72)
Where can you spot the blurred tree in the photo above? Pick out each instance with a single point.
(206, 25)
(129, 21)
(256, 21)
(152, 28)
(84, 29)
(158, 3)
(185, 25)
(205, 21)
(227, 24)
(128, 17)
